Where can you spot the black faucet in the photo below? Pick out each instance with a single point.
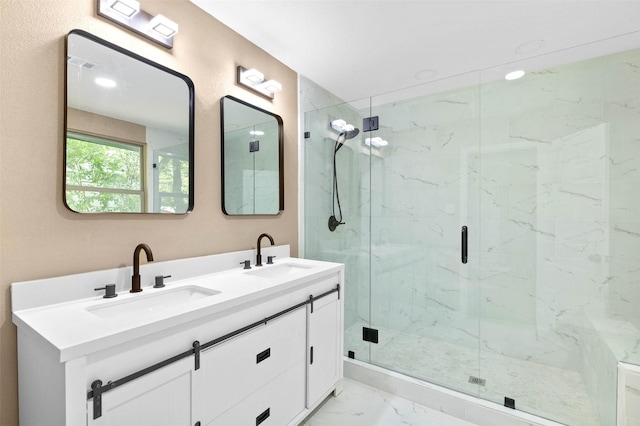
(259, 256)
(135, 278)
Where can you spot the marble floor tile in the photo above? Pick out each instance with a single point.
(362, 405)
(542, 390)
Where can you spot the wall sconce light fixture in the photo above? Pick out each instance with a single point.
(128, 8)
(128, 14)
(254, 80)
(164, 26)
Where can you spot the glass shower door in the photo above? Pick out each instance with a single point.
(424, 162)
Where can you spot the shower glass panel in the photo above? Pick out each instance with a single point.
(424, 189)
(544, 173)
(349, 243)
(559, 227)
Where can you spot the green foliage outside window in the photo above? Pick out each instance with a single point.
(173, 183)
(103, 176)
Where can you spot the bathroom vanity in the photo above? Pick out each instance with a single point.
(226, 347)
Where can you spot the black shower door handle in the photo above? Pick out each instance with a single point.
(464, 245)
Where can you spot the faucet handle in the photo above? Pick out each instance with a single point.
(110, 291)
(270, 260)
(160, 281)
(246, 263)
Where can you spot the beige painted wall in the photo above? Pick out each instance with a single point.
(39, 238)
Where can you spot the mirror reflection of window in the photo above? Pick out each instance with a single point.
(171, 181)
(104, 175)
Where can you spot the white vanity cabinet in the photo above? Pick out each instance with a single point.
(242, 366)
(265, 357)
(160, 398)
(324, 340)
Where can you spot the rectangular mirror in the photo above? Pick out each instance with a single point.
(128, 131)
(252, 159)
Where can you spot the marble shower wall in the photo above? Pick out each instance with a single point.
(544, 172)
(420, 185)
(251, 178)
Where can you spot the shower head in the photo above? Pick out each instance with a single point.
(350, 134)
(348, 131)
(346, 134)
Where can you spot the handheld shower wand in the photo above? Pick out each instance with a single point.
(347, 131)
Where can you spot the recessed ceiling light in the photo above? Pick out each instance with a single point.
(105, 82)
(426, 74)
(529, 47)
(514, 75)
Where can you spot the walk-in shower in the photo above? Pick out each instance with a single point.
(543, 173)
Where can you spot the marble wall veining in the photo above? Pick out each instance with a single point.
(251, 177)
(543, 171)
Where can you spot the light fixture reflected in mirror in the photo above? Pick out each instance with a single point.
(105, 82)
(128, 14)
(376, 142)
(255, 80)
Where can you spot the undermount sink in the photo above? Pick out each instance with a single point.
(278, 271)
(142, 304)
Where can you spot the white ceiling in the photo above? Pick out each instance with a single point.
(360, 48)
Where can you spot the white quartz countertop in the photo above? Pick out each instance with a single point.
(77, 328)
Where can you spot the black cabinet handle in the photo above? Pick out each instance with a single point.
(311, 355)
(264, 416)
(464, 245)
(263, 355)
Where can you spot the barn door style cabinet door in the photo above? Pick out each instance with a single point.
(161, 398)
(324, 341)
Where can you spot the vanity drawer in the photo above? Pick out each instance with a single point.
(231, 371)
(275, 404)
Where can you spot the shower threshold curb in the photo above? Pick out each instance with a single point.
(456, 404)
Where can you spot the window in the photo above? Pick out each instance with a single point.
(104, 175)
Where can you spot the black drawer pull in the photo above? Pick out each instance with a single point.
(264, 416)
(263, 355)
(311, 355)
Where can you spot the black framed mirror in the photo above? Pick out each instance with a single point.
(252, 159)
(129, 131)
